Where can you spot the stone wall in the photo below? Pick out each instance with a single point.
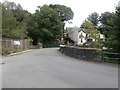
(81, 53)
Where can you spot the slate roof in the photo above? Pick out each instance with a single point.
(81, 29)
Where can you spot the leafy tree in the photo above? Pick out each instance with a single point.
(92, 33)
(105, 19)
(44, 26)
(113, 26)
(65, 12)
(94, 19)
(91, 30)
(12, 27)
(47, 25)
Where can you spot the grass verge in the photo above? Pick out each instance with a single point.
(112, 61)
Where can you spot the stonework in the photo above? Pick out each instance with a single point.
(81, 53)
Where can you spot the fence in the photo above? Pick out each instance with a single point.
(111, 56)
(10, 44)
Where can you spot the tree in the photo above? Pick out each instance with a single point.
(91, 30)
(47, 25)
(110, 26)
(94, 19)
(113, 26)
(44, 26)
(65, 12)
(104, 21)
(12, 27)
(92, 35)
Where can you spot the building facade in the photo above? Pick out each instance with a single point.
(79, 35)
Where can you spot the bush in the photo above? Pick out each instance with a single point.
(112, 61)
(6, 51)
(30, 41)
(100, 52)
(93, 44)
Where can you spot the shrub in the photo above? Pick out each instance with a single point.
(6, 51)
(93, 44)
(100, 52)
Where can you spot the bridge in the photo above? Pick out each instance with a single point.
(48, 68)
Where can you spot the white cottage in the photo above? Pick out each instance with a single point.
(77, 35)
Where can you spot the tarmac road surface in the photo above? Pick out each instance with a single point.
(48, 68)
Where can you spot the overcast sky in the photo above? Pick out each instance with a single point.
(81, 8)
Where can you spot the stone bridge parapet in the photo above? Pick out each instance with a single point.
(81, 53)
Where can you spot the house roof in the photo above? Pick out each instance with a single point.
(81, 29)
(75, 29)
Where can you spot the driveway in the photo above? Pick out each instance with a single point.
(48, 68)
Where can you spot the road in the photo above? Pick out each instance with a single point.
(0, 72)
(48, 68)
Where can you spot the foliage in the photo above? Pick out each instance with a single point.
(64, 12)
(6, 51)
(99, 52)
(90, 30)
(104, 19)
(30, 40)
(112, 61)
(109, 25)
(94, 44)
(47, 25)
(44, 26)
(13, 21)
(112, 29)
(94, 18)
(92, 35)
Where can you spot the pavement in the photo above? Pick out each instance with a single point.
(48, 68)
(17, 53)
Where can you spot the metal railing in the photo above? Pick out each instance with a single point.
(106, 55)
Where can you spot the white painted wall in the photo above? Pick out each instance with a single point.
(81, 40)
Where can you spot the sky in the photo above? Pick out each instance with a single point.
(81, 8)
